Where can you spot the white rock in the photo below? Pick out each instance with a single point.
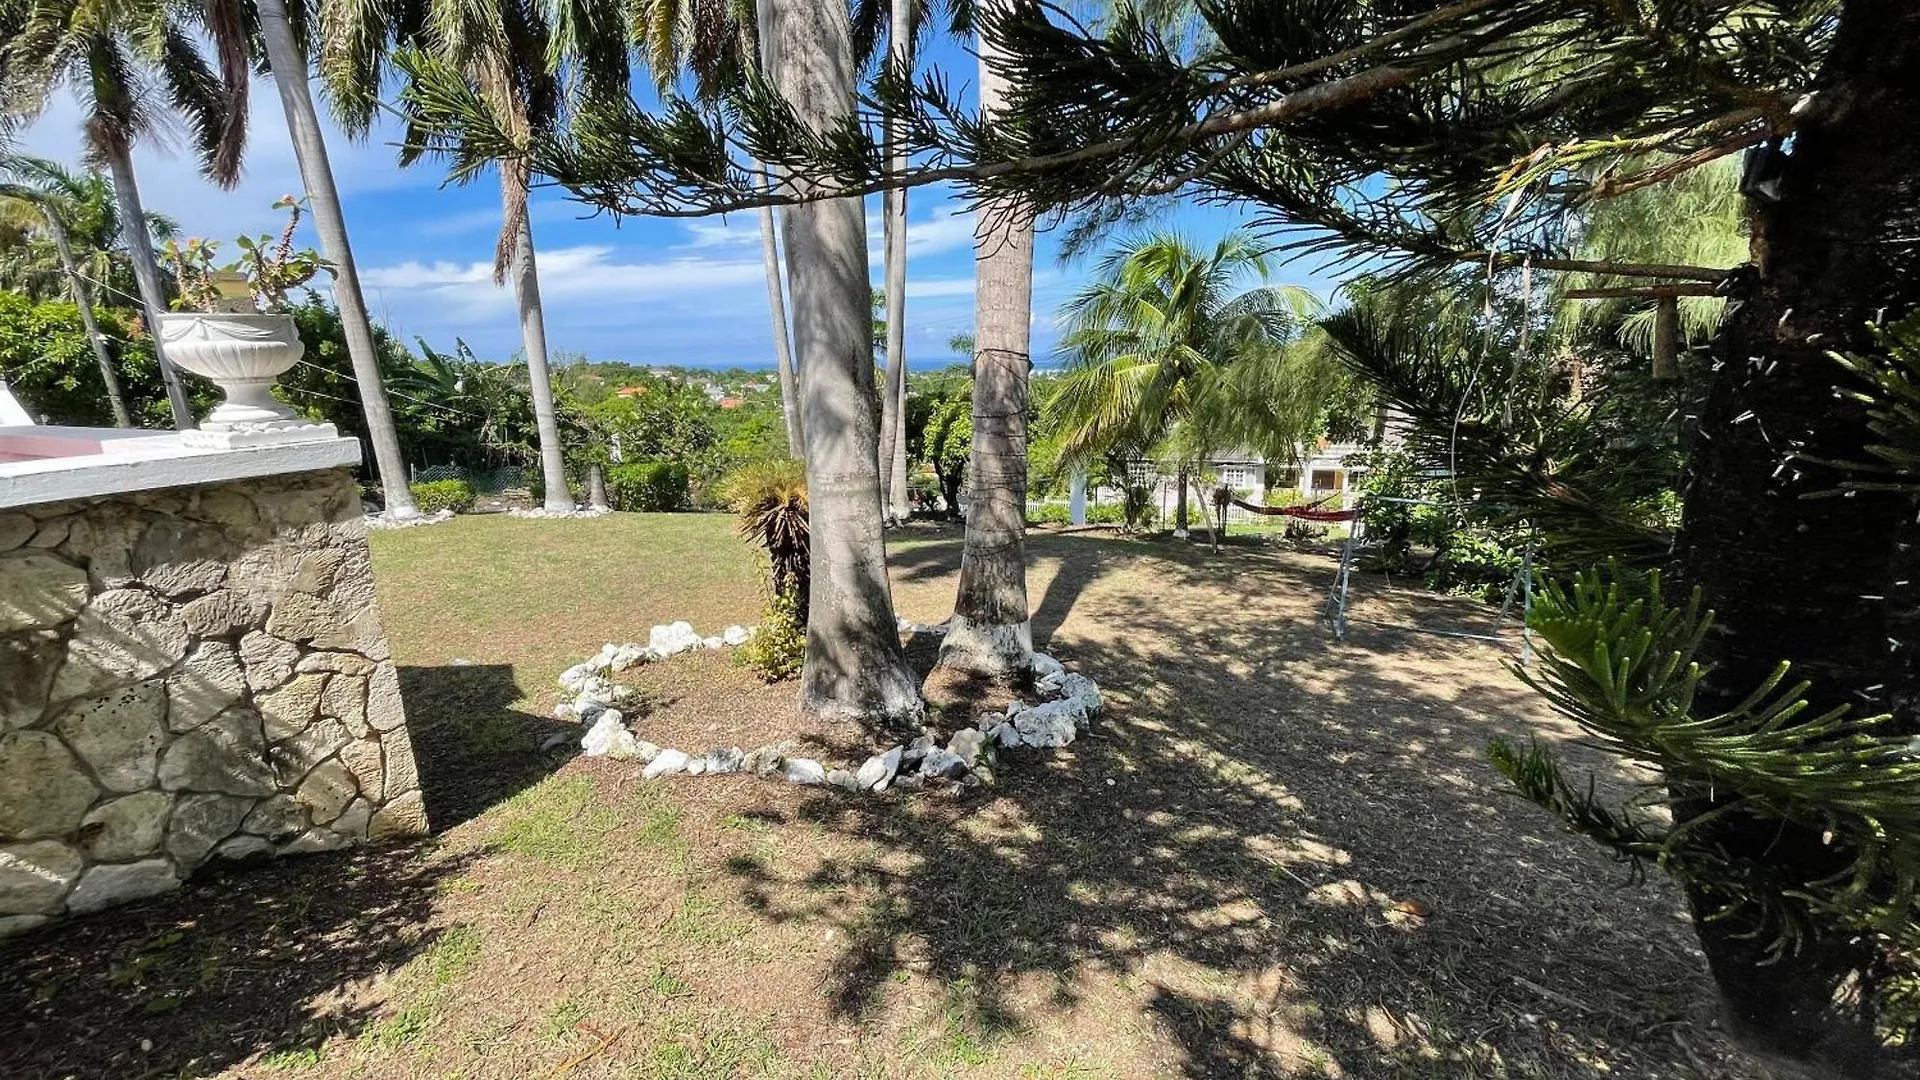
(735, 635)
(117, 883)
(714, 642)
(967, 745)
(622, 657)
(841, 778)
(672, 639)
(696, 766)
(1051, 685)
(1079, 688)
(942, 763)
(609, 737)
(1044, 665)
(877, 770)
(669, 761)
(1055, 723)
(1006, 735)
(725, 761)
(805, 771)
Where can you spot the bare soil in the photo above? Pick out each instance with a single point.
(1275, 856)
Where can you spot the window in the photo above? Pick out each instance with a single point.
(1236, 476)
(1326, 479)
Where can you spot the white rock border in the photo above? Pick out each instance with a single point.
(381, 521)
(1072, 701)
(542, 513)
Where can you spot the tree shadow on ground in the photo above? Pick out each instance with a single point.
(239, 961)
(1289, 851)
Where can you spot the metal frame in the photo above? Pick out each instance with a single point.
(1339, 595)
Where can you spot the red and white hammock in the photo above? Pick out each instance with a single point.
(1310, 512)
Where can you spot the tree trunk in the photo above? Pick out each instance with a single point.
(782, 339)
(1828, 584)
(146, 273)
(116, 399)
(289, 68)
(893, 444)
(1180, 502)
(533, 337)
(855, 667)
(990, 633)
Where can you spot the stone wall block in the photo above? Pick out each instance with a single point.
(104, 536)
(52, 533)
(121, 637)
(15, 530)
(211, 683)
(290, 709)
(362, 756)
(227, 507)
(202, 821)
(34, 878)
(384, 708)
(402, 773)
(119, 734)
(126, 828)
(27, 664)
(339, 663)
(108, 884)
(268, 660)
(225, 755)
(353, 821)
(314, 573)
(404, 816)
(308, 619)
(243, 849)
(278, 818)
(176, 557)
(39, 591)
(345, 700)
(43, 789)
(295, 757)
(222, 613)
(326, 791)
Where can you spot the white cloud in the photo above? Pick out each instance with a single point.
(570, 275)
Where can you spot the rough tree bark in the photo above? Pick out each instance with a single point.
(146, 272)
(990, 633)
(289, 66)
(83, 300)
(1832, 585)
(855, 667)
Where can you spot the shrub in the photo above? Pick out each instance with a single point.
(1116, 514)
(770, 498)
(434, 496)
(1283, 497)
(1050, 514)
(651, 487)
(779, 649)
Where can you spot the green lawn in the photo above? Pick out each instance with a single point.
(1275, 856)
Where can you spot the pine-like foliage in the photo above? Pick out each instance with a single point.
(1891, 392)
(1624, 665)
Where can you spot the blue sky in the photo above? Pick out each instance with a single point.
(649, 291)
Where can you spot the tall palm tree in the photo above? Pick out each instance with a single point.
(989, 632)
(115, 56)
(1167, 354)
(288, 60)
(893, 410)
(854, 666)
(30, 262)
(46, 187)
(501, 47)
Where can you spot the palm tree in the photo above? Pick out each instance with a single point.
(501, 47)
(854, 666)
(989, 632)
(893, 408)
(47, 188)
(1166, 354)
(288, 60)
(115, 57)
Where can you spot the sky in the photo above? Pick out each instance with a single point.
(648, 291)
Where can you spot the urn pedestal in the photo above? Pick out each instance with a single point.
(242, 354)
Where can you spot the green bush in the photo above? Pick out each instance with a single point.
(437, 495)
(1050, 514)
(1115, 514)
(652, 487)
(779, 648)
(1283, 497)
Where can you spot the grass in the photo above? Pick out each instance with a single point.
(1213, 884)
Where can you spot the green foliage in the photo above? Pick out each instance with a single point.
(1145, 516)
(1050, 514)
(647, 486)
(46, 360)
(770, 499)
(1889, 386)
(434, 496)
(778, 649)
(1623, 665)
(940, 428)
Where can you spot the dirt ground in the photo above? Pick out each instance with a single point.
(1275, 856)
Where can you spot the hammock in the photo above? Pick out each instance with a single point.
(1310, 512)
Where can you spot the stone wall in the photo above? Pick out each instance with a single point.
(189, 674)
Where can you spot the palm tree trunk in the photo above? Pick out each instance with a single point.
(855, 667)
(533, 337)
(1180, 502)
(289, 68)
(896, 355)
(146, 273)
(1789, 577)
(990, 633)
(782, 340)
(894, 470)
(116, 399)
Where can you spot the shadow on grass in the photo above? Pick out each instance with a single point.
(474, 749)
(240, 961)
(1290, 852)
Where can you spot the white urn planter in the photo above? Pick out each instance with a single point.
(243, 354)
